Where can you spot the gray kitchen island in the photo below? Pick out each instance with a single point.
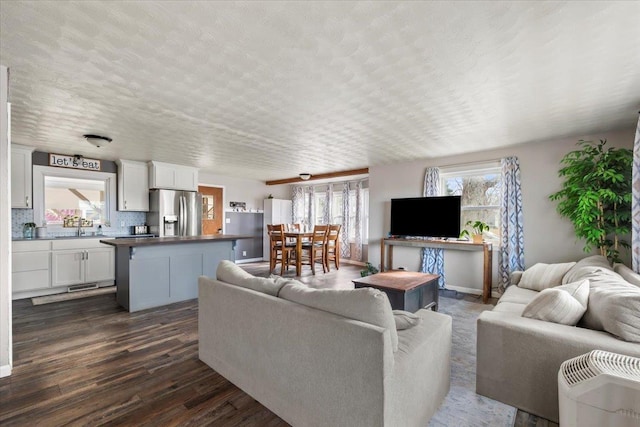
(156, 271)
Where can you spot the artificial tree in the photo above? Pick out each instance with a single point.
(596, 195)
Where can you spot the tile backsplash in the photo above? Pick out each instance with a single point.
(20, 216)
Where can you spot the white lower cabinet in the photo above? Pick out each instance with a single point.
(30, 266)
(56, 264)
(81, 261)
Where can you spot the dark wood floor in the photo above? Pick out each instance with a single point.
(89, 362)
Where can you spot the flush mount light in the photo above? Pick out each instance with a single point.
(305, 176)
(97, 140)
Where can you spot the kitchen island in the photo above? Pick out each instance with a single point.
(155, 271)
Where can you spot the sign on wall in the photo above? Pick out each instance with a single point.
(74, 162)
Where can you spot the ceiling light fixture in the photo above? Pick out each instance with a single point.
(97, 140)
(305, 176)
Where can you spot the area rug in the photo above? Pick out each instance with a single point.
(462, 406)
(47, 299)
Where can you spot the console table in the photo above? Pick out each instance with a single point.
(456, 245)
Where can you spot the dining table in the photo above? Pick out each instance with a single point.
(299, 237)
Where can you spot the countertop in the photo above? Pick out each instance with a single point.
(149, 241)
(86, 236)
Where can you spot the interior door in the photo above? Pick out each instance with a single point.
(212, 212)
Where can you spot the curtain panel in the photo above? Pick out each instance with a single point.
(511, 221)
(345, 249)
(433, 258)
(635, 203)
(297, 197)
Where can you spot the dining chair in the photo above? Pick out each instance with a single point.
(313, 251)
(279, 251)
(332, 251)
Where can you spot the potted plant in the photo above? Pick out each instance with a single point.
(370, 270)
(477, 228)
(596, 195)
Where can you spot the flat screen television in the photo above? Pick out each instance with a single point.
(426, 216)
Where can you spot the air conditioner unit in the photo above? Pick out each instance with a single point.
(599, 389)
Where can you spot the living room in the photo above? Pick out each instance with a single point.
(316, 87)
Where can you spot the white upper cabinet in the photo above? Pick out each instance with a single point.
(21, 177)
(172, 177)
(133, 186)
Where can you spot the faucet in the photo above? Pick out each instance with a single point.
(80, 230)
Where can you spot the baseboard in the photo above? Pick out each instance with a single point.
(471, 291)
(245, 261)
(5, 371)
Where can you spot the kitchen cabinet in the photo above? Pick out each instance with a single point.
(78, 261)
(21, 177)
(276, 211)
(30, 266)
(172, 177)
(133, 186)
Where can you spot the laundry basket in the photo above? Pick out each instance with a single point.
(600, 389)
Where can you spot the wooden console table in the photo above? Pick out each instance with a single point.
(455, 245)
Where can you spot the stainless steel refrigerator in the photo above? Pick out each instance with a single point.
(175, 213)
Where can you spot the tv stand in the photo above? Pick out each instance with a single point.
(486, 248)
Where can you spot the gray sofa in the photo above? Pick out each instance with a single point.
(518, 358)
(313, 367)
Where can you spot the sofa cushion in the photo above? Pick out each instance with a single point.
(542, 276)
(365, 304)
(614, 306)
(518, 295)
(627, 274)
(586, 266)
(562, 304)
(231, 273)
(405, 319)
(514, 308)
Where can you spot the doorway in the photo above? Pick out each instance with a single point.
(212, 212)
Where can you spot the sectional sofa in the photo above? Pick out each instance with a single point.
(519, 354)
(324, 357)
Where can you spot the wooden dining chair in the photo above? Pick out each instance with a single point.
(313, 251)
(279, 251)
(332, 251)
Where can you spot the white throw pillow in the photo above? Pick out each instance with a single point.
(232, 274)
(405, 319)
(586, 266)
(543, 276)
(365, 304)
(627, 274)
(562, 304)
(614, 306)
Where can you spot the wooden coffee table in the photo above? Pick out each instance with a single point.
(407, 290)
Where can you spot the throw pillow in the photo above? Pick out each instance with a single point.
(562, 304)
(405, 319)
(627, 274)
(614, 306)
(232, 274)
(586, 266)
(542, 276)
(365, 304)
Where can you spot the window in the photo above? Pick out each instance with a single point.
(66, 195)
(479, 188)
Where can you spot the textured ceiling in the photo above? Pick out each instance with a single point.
(271, 89)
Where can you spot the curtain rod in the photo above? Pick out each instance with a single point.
(476, 163)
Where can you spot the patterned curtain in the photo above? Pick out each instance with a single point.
(297, 197)
(433, 258)
(358, 225)
(635, 204)
(326, 213)
(345, 249)
(512, 245)
(310, 219)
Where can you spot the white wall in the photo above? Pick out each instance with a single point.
(251, 191)
(548, 237)
(5, 230)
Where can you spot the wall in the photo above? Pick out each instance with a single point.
(548, 237)
(250, 191)
(5, 249)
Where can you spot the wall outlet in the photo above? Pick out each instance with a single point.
(228, 220)
(244, 253)
(121, 223)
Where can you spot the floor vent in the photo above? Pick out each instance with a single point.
(76, 288)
